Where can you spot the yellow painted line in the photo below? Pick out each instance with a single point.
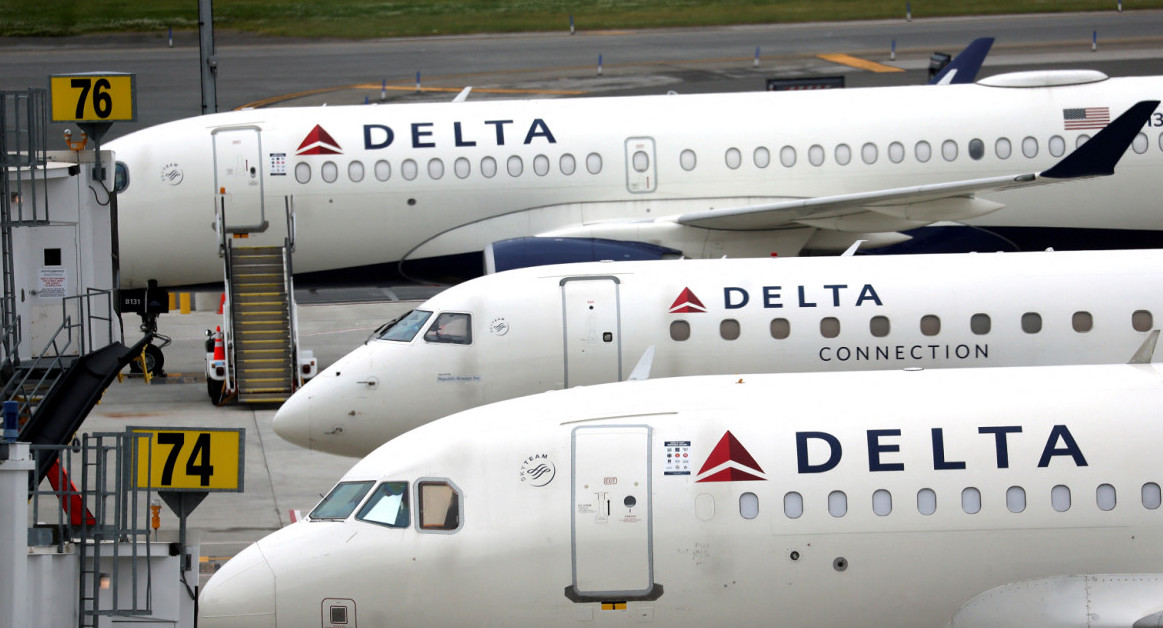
(857, 62)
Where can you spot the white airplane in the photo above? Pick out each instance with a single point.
(1008, 497)
(536, 329)
(741, 174)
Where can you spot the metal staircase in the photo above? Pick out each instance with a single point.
(264, 359)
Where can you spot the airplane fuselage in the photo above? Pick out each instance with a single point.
(379, 184)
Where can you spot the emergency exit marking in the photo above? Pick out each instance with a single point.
(183, 459)
(97, 97)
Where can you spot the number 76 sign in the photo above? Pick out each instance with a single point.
(188, 459)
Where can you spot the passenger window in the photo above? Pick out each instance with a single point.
(388, 506)
(1142, 320)
(1139, 144)
(1030, 147)
(949, 150)
(930, 325)
(971, 501)
(541, 165)
(923, 151)
(729, 329)
(383, 170)
(1151, 496)
(409, 169)
(749, 505)
(762, 157)
(1031, 322)
(1057, 145)
(462, 168)
(1082, 139)
(1082, 322)
(302, 172)
(896, 152)
(435, 169)
(451, 328)
(1105, 497)
(837, 504)
(787, 154)
(640, 161)
(843, 154)
(1060, 498)
(1016, 499)
(355, 171)
(406, 327)
(733, 158)
(567, 164)
(881, 502)
(829, 327)
(680, 330)
(594, 163)
(515, 166)
(793, 505)
(979, 324)
(488, 167)
(816, 154)
(341, 501)
(879, 326)
(687, 160)
(1002, 148)
(439, 505)
(976, 149)
(329, 171)
(926, 501)
(869, 153)
(780, 328)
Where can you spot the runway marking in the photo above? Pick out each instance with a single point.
(857, 62)
(407, 88)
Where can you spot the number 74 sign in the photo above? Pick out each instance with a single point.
(188, 459)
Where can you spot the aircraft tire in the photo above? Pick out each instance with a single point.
(154, 360)
(215, 388)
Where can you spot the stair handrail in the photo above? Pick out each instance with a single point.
(289, 286)
(225, 251)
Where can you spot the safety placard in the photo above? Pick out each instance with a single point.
(93, 97)
(188, 459)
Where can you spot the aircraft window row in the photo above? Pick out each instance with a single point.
(1105, 498)
(461, 167)
(930, 325)
(438, 504)
(922, 151)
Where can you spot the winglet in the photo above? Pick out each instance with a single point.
(1098, 156)
(463, 95)
(965, 66)
(851, 250)
(642, 369)
(1146, 350)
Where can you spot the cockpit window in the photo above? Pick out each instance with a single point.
(439, 506)
(387, 506)
(341, 501)
(120, 177)
(452, 328)
(406, 327)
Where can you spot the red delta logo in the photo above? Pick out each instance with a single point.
(319, 142)
(732, 461)
(687, 303)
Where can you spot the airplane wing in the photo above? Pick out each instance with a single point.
(965, 66)
(925, 203)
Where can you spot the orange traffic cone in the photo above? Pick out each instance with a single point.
(222, 303)
(219, 350)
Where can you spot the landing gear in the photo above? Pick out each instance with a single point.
(154, 358)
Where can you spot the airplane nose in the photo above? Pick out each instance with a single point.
(241, 594)
(292, 421)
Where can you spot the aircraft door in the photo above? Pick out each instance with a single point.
(612, 553)
(592, 327)
(50, 254)
(641, 175)
(238, 177)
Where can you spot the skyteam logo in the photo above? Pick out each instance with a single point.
(538, 470)
(319, 142)
(730, 462)
(687, 303)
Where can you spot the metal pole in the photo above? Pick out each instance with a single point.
(208, 58)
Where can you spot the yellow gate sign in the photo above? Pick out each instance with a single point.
(188, 459)
(93, 97)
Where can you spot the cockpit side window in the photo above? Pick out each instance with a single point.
(388, 505)
(439, 506)
(120, 177)
(452, 328)
(341, 501)
(406, 327)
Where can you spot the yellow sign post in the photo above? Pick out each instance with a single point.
(93, 97)
(188, 459)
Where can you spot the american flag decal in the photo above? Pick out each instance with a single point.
(1086, 118)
